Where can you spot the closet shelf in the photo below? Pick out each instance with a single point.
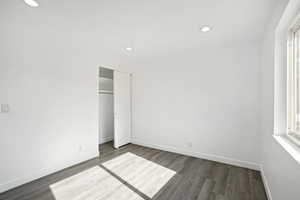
(105, 92)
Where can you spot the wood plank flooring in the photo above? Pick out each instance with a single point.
(195, 179)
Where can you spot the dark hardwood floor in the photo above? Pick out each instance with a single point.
(195, 179)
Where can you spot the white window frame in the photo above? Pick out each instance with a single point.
(293, 76)
(283, 66)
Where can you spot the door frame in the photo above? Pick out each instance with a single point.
(98, 99)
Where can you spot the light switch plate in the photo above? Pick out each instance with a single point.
(4, 108)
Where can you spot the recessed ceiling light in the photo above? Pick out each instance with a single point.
(205, 29)
(128, 48)
(31, 3)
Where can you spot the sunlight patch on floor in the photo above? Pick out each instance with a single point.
(146, 176)
(94, 183)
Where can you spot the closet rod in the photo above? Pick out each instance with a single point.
(106, 93)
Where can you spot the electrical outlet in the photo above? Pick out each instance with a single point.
(4, 108)
(190, 144)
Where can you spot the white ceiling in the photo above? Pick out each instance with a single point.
(146, 25)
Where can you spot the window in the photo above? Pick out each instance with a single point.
(293, 84)
(287, 82)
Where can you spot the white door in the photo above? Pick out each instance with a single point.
(122, 109)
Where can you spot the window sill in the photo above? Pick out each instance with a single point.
(289, 146)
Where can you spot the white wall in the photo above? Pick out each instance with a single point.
(207, 96)
(48, 76)
(52, 93)
(281, 171)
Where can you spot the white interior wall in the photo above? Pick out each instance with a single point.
(51, 87)
(202, 102)
(49, 77)
(281, 172)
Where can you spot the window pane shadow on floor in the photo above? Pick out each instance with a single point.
(126, 176)
(139, 174)
(93, 184)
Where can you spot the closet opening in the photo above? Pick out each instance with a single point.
(114, 109)
(106, 109)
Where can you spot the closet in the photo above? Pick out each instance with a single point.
(114, 107)
(106, 106)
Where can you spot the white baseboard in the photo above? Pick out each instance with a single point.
(206, 156)
(39, 174)
(265, 181)
(107, 139)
